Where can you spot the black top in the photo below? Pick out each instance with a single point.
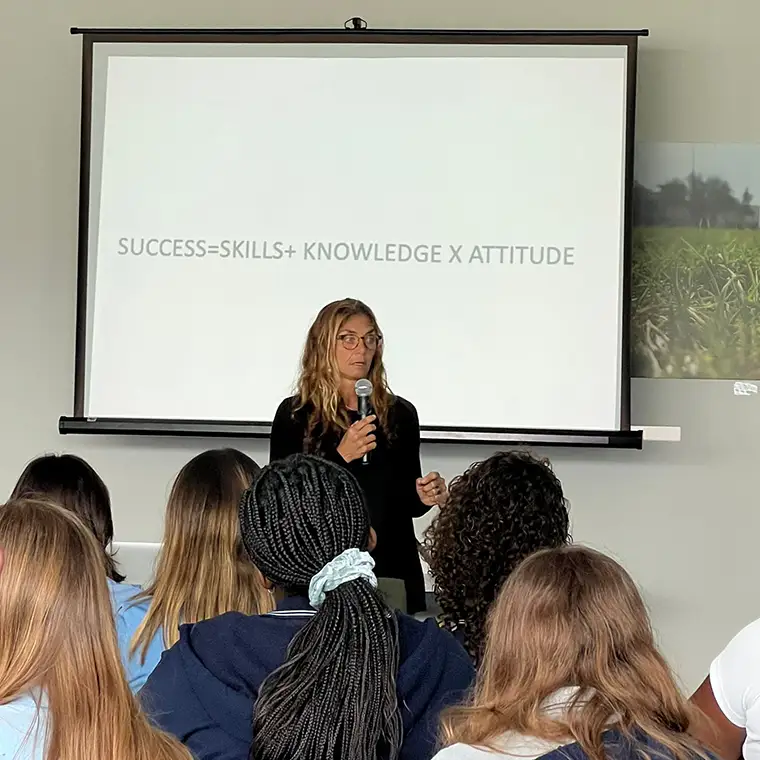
(388, 482)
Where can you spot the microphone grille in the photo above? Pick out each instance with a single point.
(363, 387)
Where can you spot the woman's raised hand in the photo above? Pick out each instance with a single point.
(358, 439)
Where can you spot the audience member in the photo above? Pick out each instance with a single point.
(571, 670)
(63, 695)
(498, 512)
(730, 698)
(333, 672)
(202, 570)
(70, 482)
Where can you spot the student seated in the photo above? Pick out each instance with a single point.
(498, 512)
(333, 672)
(63, 694)
(730, 697)
(571, 672)
(201, 570)
(73, 484)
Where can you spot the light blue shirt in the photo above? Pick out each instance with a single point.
(23, 726)
(128, 615)
(23, 722)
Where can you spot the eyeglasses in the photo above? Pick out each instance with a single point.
(351, 341)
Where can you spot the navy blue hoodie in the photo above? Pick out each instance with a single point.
(203, 689)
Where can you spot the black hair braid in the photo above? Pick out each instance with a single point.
(334, 698)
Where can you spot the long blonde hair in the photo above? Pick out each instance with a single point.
(318, 381)
(57, 635)
(202, 570)
(573, 617)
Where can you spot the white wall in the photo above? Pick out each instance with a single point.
(681, 516)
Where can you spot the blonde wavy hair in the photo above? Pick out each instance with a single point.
(202, 569)
(318, 383)
(573, 617)
(57, 636)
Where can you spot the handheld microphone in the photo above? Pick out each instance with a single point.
(363, 390)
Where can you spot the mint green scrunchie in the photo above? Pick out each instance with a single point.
(348, 566)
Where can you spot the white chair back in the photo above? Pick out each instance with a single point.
(136, 560)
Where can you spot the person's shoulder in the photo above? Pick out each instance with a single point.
(428, 627)
(748, 638)
(291, 409)
(23, 728)
(200, 648)
(231, 630)
(231, 651)
(464, 752)
(740, 658)
(403, 410)
(457, 630)
(425, 640)
(129, 608)
(735, 674)
(211, 628)
(287, 406)
(468, 752)
(518, 746)
(620, 744)
(125, 596)
(403, 405)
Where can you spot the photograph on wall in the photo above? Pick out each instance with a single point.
(696, 261)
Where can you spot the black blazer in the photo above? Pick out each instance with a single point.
(388, 482)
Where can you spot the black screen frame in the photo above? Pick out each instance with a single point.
(80, 424)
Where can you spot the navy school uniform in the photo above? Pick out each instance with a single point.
(204, 688)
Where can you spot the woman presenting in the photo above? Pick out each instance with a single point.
(344, 344)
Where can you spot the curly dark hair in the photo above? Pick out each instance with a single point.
(499, 511)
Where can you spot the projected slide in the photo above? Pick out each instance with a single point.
(474, 201)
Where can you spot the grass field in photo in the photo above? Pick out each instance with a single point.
(696, 303)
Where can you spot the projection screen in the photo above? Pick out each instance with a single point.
(473, 189)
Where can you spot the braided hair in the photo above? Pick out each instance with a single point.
(335, 694)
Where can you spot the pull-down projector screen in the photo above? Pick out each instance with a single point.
(472, 191)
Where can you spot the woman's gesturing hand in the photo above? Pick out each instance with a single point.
(432, 489)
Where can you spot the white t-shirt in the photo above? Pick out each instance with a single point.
(513, 745)
(735, 681)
